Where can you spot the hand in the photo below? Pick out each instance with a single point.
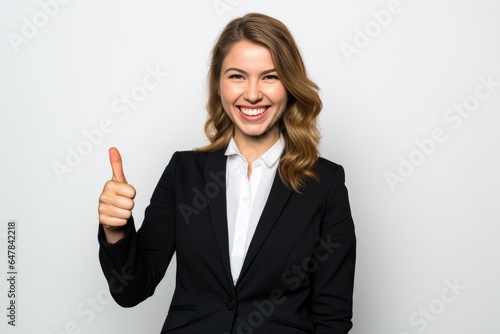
(117, 198)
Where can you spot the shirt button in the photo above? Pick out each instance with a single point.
(230, 304)
(245, 199)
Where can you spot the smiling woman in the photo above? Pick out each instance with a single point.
(253, 98)
(263, 43)
(260, 224)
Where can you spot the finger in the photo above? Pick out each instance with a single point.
(115, 188)
(112, 222)
(111, 212)
(120, 202)
(116, 165)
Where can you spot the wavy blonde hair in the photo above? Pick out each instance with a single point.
(298, 123)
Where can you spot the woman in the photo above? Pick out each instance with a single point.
(260, 224)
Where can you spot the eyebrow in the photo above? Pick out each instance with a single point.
(242, 71)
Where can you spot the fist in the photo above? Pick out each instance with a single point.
(117, 198)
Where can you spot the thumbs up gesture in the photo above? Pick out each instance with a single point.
(116, 201)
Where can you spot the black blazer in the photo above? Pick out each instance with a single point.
(297, 276)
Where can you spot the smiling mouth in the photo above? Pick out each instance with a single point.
(253, 111)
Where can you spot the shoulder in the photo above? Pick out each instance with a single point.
(331, 174)
(195, 155)
(329, 185)
(193, 159)
(327, 168)
(325, 163)
(189, 155)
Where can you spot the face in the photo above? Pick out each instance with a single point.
(252, 95)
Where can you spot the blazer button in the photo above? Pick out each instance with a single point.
(230, 304)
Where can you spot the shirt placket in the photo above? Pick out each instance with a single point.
(242, 219)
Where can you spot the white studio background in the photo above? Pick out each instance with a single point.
(411, 93)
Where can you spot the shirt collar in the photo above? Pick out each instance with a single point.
(270, 157)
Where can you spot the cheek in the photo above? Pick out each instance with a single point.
(229, 90)
(227, 109)
(224, 95)
(283, 102)
(278, 94)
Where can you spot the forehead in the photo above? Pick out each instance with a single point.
(247, 55)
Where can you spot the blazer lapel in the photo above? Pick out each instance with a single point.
(215, 172)
(276, 201)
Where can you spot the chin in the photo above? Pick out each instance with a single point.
(255, 133)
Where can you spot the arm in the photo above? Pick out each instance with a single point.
(135, 264)
(333, 281)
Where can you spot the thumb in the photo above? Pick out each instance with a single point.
(116, 165)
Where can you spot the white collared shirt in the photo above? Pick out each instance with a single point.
(246, 198)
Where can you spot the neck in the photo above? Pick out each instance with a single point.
(252, 147)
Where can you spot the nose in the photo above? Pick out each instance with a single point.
(253, 92)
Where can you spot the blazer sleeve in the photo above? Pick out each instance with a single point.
(135, 265)
(333, 281)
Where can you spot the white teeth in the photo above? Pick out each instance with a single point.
(252, 112)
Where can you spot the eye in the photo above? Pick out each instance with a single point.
(271, 77)
(236, 76)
